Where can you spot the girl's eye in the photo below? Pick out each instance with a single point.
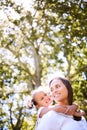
(42, 98)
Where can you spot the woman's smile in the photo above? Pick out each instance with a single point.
(59, 91)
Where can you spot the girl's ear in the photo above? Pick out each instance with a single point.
(37, 106)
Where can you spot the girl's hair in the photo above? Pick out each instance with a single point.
(70, 92)
(68, 86)
(31, 101)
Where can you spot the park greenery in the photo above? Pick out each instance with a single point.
(35, 43)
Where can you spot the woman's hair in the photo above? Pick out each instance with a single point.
(70, 92)
(68, 86)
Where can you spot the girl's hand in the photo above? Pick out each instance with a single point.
(79, 113)
(71, 109)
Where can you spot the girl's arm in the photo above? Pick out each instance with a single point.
(70, 110)
(79, 113)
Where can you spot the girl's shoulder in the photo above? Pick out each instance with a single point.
(39, 111)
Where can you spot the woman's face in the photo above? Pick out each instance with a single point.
(59, 91)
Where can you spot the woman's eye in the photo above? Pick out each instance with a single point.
(45, 95)
(42, 98)
(57, 86)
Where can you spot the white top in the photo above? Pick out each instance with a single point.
(71, 124)
(58, 121)
(38, 118)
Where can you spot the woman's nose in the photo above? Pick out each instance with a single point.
(54, 92)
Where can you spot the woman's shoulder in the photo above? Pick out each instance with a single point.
(55, 115)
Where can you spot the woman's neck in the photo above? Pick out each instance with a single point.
(63, 103)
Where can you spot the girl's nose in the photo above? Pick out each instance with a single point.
(46, 97)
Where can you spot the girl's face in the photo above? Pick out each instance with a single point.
(59, 92)
(42, 99)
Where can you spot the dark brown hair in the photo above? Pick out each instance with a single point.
(32, 102)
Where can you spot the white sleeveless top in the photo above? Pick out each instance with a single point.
(58, 121)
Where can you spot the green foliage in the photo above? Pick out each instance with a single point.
(80, 94)
(51, 37)
(31, 123)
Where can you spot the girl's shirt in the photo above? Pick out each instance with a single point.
(38, 118)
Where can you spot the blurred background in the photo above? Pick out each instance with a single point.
(38, 41)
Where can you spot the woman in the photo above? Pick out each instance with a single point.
(62, 92)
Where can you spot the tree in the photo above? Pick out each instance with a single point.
(37, 42)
